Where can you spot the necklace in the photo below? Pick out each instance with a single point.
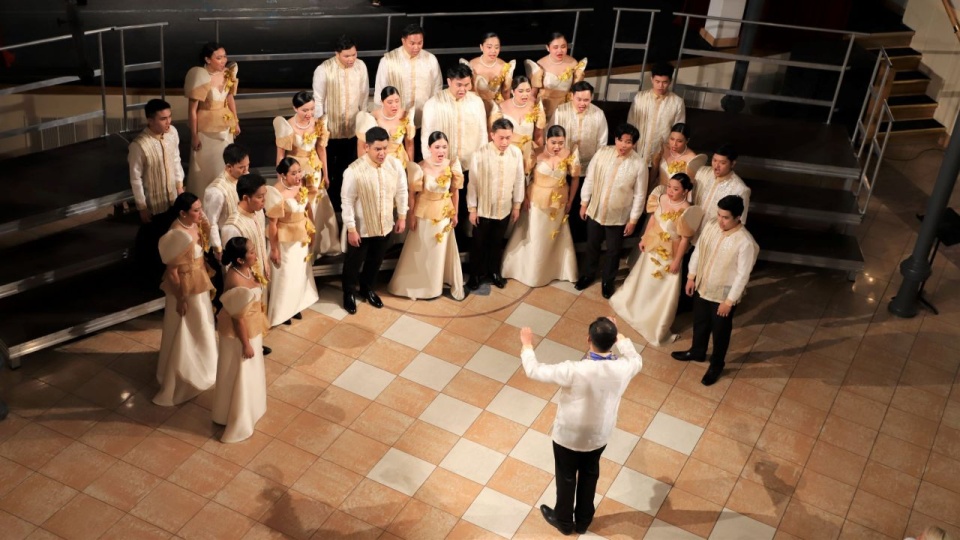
(389, 118)
(185, 226)
(489, 66)
(249, 276)
(286, 186)
(517, 105)
(562, 60)
(306, 127)
(674, 205)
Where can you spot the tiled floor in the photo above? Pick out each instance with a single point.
(833, 420)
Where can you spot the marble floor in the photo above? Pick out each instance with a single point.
(833, 420)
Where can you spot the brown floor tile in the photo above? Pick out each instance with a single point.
(349, 340)
(938, 503)
(68, 372)
(569, 332)
(948, 442)
(943, 471)
(647, 391)
(859, 409)
(750, 399)
(758, 502)
(83, 518)
(919, 402)
(107, 389)
(464, 530)
(722, 452)
(736, 425)
(78, 465)
(250, 494)
(426, 442)
(836, 463)
(323, 363)
(656, 461)
(927, 378)
(123, 486)
(809, 522)
(312, 327)
(477, 328)
(495, 432)
(169, 507)
(608, 473)
(879, 514)
(11, 425)
(473, 388)
(633, 417)
(689, 512)
(542, 390)
(544, 422)
(296, 388)
(374, 503)
(848, 435)
(37, 498)
(287, 348)
(449, 492)
(900, 455)
(824, 492)
(281, 462)
(933, 354)
(131, 527)
(355, 452)
(311, 433)
(523, 482)
(191, 424)
(689, 407)
(534, 526)
(341, 525)
(215, 521)
(204, 474)
(159, 454)
(296, 515)
(339, 405)
(241, 452)
(617, 521)
(420, 521)
(31, 398)
(140, 407)
(919, 522)
(798, 417)
(551, 299)
(770, 377)
(951, 414)
(690, 381)
(896, 486)
(278, 416)
(855, 531)
(785, 443)
(706, 481)
(504, 338)
(452, 347)
(772, 472)
(407, 397)
(910, 428)
(382, 423)
(872, 385)
(72, 416)
(813, 392)
(11, 474)
(33, 446)
(327, 482)
(388, 355)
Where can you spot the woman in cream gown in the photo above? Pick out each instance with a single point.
(240, 398)
(430, 258)
(648, 298)
(555, 73)
(304, 138)
(528, 119)
(540, 249)
(397, 122)
(212, 115)
(492, 76)
(290, 230)
(188, 347)
(676, 157)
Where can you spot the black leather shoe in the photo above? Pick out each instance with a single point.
(552, 520)
(371, 298)
(712, 374)
(583, 283)
(609, 287)
(687, 356)
(267, 350)
(473, 283)
(580, 529)
(288, 322)
(349, 303)
(298, 316)
(498, 280)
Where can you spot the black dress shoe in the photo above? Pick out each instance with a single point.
(371, 298)
(583, 283)
(298, 316)
(267, 350)
(609, 287)
(580, 529)
(288, 322)
(687, 356)
(712, 374)
(473, 283)
(552, 520)
(498, 280)
(349, 303)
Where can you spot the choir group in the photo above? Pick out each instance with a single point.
(519, 143)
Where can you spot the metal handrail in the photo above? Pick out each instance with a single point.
(645, 47)
(771, 25)
(130, 68)
(305, 16)
(53, 39)
(874, 91)
(868, 129)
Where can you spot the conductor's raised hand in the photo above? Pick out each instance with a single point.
(526, 336)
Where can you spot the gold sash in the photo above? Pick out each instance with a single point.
(254, 315)
(194, 275)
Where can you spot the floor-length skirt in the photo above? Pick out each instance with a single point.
(292, 286)
(534, 256)
(207, 164)
(327, 240)
(426, 265)
(188, 351)
(649, 303)
(240, 398)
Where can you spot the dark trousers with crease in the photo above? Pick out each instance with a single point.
(596, 235)
(577, 475)
(369, 255)
(486, 255)
(706, 322)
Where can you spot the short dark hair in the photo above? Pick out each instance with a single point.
(234, 153)
(284, 166)
(520, 79)
(154, 106)
(459, 71)
(662, 69)
(682, 129)
(556, 130)
(727, 151)
(411, 29)
(732, 204)
(603, 334)
(436, 136)
(248, 184)
(207, 51)
(234, 250)
(488, 35)
(684, 180)
(184, 202)
(343, 43)
(627, 129)
(581, 86)
(301, 98)
(388, 91)
(501, 123)
(555, 36)
(376, 134)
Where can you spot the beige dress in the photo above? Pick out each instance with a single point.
(292, 287)
(303, 148)
(688, 163)
(648, 298)
(240, 398)
(188, 347)
(405, 130)
(495, 89)
(430, 258)
(540, 249)
(216, 125)
(554, 89)
(523, 130)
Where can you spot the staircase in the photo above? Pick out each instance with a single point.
(912, 108)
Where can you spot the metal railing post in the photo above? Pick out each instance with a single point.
(103, 84)
(386, 47)
(123, 81)
(843, 69)
(866, 99)
(613, 47)
(576, 26)
(683, 42)
(646, 49)
(421, 21)
(163, 71)
(217, 31)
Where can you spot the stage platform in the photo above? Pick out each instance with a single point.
(80, 280)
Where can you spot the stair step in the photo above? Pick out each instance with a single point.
(904, 58)
(893, 52)
(894, 40)
(772, 198)
(806, 248)
(74, 307)
(910, 100)
(910, 75)
(66, 254)
(912, 107)
(913, 126)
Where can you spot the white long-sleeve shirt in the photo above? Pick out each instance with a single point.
(590, 392)
(220, 201)
(495, 185)
(417, 78)
(386, 190)
(615, 187)
(155, 175)
(709, 190)
(342, 96)
(463, 121)
(654, 115)
(722, 261)
(586, 132)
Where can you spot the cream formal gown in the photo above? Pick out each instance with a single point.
(292, 287)
(188, 347)
(540, 249)
(216, 125)
(240, 398)
(495, 89)
(648, 298)
(430, 258)
(554, 89)
(523, 130)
